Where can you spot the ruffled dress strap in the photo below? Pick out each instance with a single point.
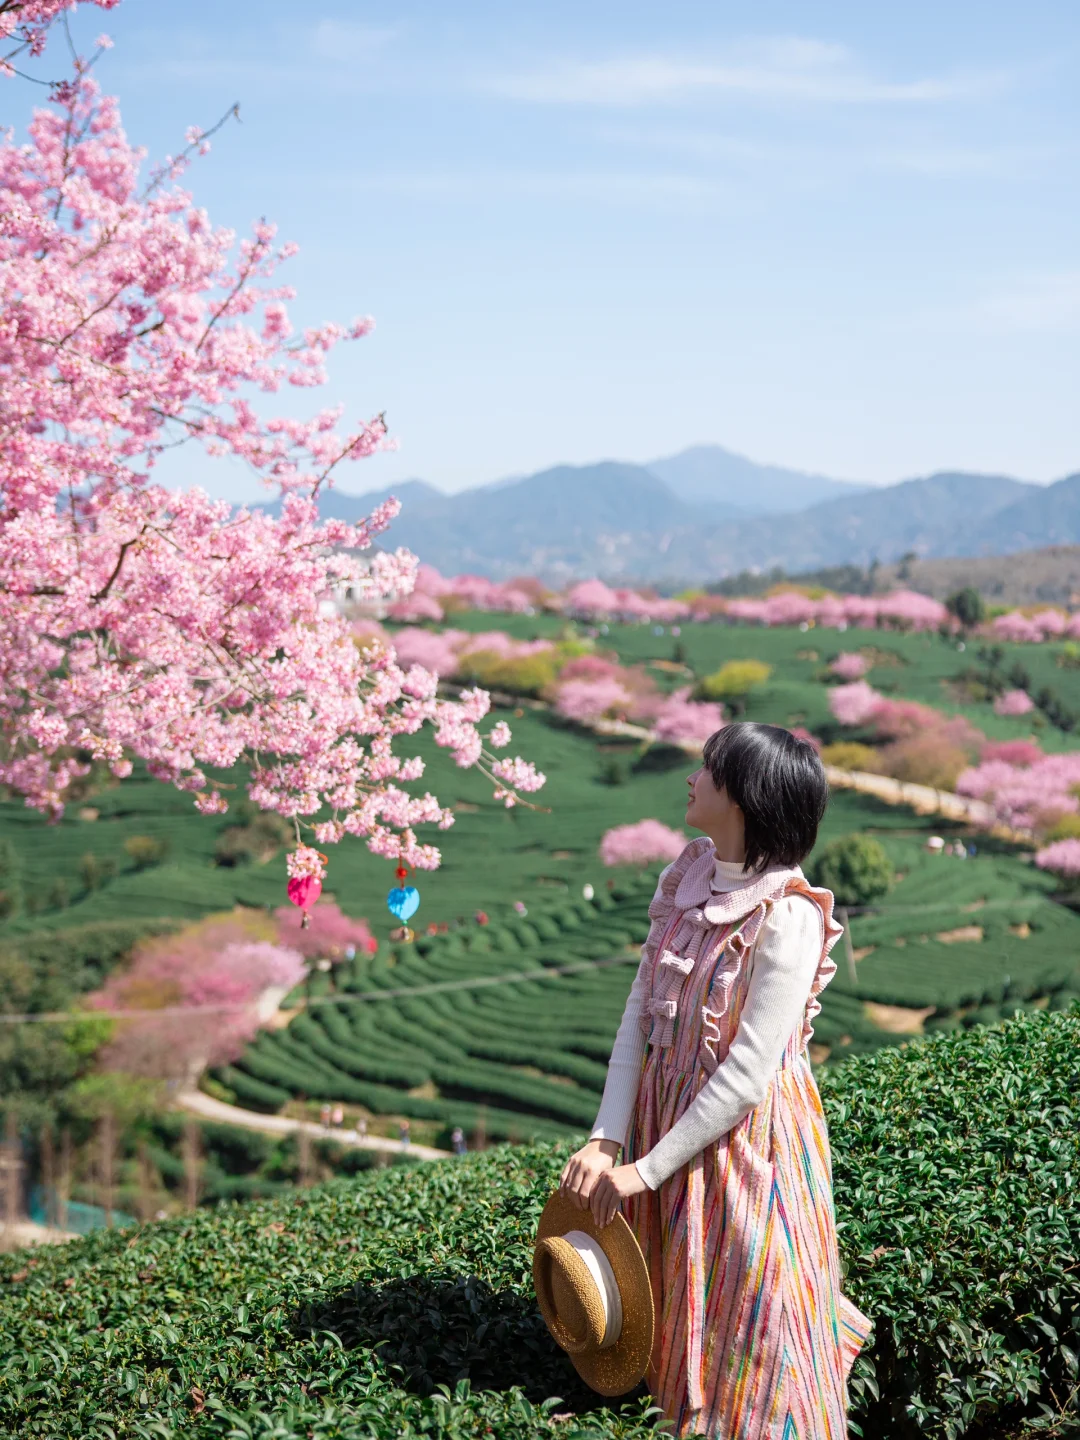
(826, 903)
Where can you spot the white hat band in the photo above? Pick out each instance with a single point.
(599, 1267)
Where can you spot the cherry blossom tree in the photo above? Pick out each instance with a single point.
(855, 703)
(203, 993)
(24, 26)
(1029, 795)
(641, 843)
(589, 700)
(1062, 857)
(139, 623)
(849, 665)
(1014, 702)
(681, 720)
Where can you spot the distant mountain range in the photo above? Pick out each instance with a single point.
(707, 513)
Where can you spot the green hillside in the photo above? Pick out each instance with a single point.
(533, 1052)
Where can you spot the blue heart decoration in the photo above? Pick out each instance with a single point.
(403, 902)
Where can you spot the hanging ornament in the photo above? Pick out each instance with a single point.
(403, 901)
(303, 890)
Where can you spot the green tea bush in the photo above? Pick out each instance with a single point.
(144, 850)
(400, 1303)
(855, 868)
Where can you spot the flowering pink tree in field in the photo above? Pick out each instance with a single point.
(1029, 795)
(140, 623)
(1062, 857)
(436, 651)
(1016, 627)
(641, 844)
(681, 720)
(1014, 752)
(416, 606)
(854, 704)
(329, 935)
(588, 700)
(1014, 702)
(201, 991)
(592, 597)
(849, 665)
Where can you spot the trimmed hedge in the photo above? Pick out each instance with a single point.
(400, 1304)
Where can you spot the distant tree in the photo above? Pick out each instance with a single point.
(95, 870)
(906, 561)
(58, 897)
(850, 755)
(642, 844)
(259, 840)
(734, 681)
(144, 851)
(613, 771)
(967, 606)
(855, 868)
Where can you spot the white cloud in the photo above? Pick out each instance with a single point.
(782, 68)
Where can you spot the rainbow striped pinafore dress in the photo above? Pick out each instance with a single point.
(754, 1340)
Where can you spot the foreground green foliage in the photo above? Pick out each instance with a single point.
(401, 1304)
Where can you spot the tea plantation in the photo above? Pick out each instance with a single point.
(973, 940)
(922, 666)
(400, 1304)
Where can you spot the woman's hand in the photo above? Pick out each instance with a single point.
(612, 1188)
(584, 1168)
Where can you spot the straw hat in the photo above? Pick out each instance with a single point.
(594, 1294)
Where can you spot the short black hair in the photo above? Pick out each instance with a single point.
(778, 782)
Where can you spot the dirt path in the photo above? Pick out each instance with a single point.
(196, 1103)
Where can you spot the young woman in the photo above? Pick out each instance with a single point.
(726, 1176)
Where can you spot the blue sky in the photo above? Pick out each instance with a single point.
(838, 236)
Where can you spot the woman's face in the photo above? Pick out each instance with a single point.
(712, 810)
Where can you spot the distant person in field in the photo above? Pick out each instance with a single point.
(726, 1176)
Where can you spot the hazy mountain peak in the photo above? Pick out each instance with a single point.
(711, 475)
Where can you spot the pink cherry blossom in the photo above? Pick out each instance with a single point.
(641, 844)
(329, 933)
(417, 606)
(136, 622)
(1014, 752)
(593, 598)
(854, 704)
(24, 25)
(211, 978)
(433, 650)
(1014, 702)
(789, 607)
(680, 720)
(849, 665)
(908, 610)
(1016, 627)
(1026, 796)
(588, 700)
(590, 667)
(1062, 857)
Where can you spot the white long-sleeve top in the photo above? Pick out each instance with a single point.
(784, 961)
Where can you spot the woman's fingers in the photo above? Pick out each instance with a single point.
(600, 1199)
(574, 1180)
